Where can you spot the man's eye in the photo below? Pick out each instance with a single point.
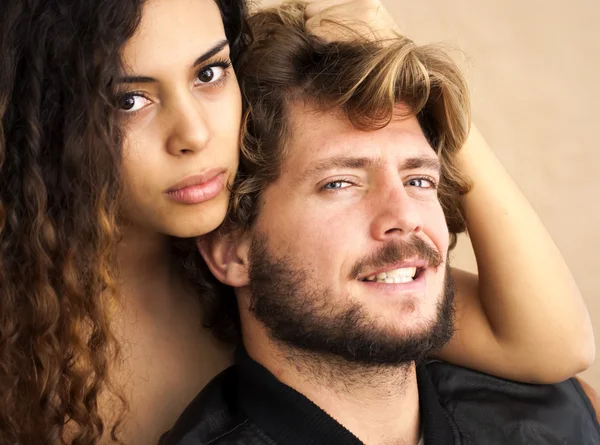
(131, 103)
(421, 183)
(334, 185)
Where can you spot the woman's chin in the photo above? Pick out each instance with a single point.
(200, 222)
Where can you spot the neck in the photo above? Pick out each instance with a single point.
(378, 404)
(151, 284)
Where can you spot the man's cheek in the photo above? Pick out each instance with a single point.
(438, 227)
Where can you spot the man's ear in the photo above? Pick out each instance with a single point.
(226, 257)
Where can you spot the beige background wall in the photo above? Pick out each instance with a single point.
(533, 67)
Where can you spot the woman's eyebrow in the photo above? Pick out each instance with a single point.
(215, 49)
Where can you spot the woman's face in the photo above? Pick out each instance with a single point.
(181, 111)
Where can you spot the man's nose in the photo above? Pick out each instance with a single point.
(396, 213)
(190, 127)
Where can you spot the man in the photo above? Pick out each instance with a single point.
(337, 246)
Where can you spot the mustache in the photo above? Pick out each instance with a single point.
(397, 251)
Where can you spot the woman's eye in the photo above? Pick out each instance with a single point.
(210, 74)
(337, 185)
(421, 183)
(131, 103)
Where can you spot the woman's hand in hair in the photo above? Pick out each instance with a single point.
(347, 19)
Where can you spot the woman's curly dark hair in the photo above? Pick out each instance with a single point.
(60, 164)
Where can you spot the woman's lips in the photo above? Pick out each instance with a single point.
(199, 188)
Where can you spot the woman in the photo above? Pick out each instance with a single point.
(120, 128)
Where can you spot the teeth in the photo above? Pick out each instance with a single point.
(408, 272)
(396, 276)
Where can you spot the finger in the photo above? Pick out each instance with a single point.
(338, 23)
(364, 10)
(319, 6)
(344, 12)
(367, 18)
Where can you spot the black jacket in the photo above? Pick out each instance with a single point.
(247, 405)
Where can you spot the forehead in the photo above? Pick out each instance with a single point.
(173, 32)
(316, 135)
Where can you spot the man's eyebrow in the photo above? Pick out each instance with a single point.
(217, 48)
(427, 162)
(339, 162)
(351, 162)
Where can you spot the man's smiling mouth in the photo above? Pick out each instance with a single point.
(395, 276)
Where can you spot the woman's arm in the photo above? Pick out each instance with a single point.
(523, 318)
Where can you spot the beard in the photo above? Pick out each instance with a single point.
(304, 316)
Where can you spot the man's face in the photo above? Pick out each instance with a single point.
(349, 253)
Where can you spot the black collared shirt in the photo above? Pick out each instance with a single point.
(247, 405)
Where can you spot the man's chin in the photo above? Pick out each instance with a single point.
(411, 314)
(367, 342)
(409, 329)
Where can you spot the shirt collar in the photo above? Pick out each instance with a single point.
(292, 419)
